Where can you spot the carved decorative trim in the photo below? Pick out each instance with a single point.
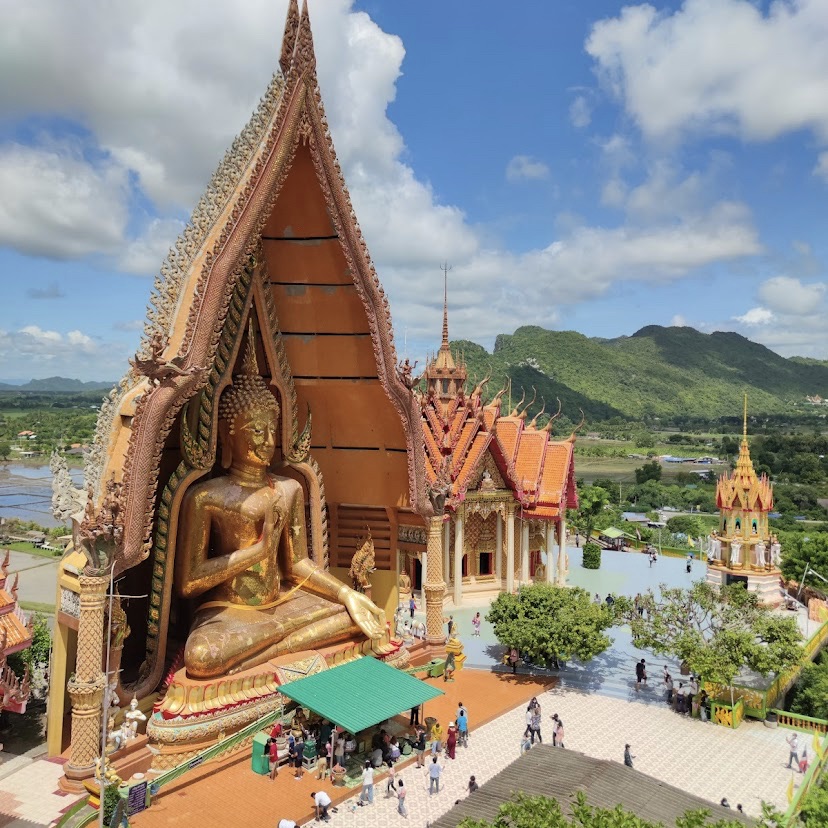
(412, 534)
(70, 602)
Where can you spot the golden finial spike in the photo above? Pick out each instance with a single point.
(249, 364)
(744, 423)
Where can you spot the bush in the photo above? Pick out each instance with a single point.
(592, 556)
(110, 803)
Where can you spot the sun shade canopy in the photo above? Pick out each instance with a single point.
(360, 693)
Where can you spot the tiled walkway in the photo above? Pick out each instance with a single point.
(30, 797)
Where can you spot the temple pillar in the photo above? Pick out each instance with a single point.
(550, 542)
(498, 548)
(458, 558)
(86, 688)
(434, 587)
(524, 551)
(510, 549)
(562, 556)
(447, 549)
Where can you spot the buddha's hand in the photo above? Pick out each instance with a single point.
(365, 614)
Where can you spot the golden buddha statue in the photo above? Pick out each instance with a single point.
(242, 546)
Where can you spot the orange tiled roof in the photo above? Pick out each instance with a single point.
(5, 599)
(555, 471)
(542, 512)
(507, 430)
(15, 631)
(478, 447)
(463, 444)
(529, 462)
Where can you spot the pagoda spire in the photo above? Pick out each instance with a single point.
(445, 268)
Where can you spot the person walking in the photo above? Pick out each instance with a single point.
(473, 786)
(793, 744)
(298, 759)
(436, 738)
(513, 659)
(668, 686)
(339, 750)
(462, 727)
(367, 794)
(451, 740)
(803, 760)
(559, 733)
(528, 717)
(689, 566)
(390, 782)
(420, 746)
(476, 625)
(640, 673)
(434, 773)
(554, 730)
(412, 605)
(628, 757)
(535, 724)
(401, 792)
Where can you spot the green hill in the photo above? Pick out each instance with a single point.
(657, 371)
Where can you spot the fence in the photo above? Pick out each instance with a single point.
(796, 721)
(808, 781)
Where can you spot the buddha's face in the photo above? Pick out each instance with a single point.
(253, 441)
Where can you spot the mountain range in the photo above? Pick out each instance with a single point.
(56, 385)
(658, 371)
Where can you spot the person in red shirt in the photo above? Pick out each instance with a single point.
(277, 730)
(273, 758)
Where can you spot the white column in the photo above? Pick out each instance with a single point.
(458, 559)
(550, 561)
(510, 550)
(446, 549)
(498, 549)
(562, 571)
(524, 552)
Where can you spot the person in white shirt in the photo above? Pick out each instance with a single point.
(322, 802)
(367, 794)
(287, 823)
(434, 773)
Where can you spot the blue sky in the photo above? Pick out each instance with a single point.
(584, 166)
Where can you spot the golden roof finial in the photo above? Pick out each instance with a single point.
(250, 366)
(445, 268)
(744, 423)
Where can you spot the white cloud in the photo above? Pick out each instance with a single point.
(755, 316)
(525, 168)
(721, 65)
(678, 321)
(580, 112)
(143, 255)
(789, 296)
(57, 204)
(821, 168)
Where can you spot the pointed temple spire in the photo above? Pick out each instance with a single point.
(289, 37)
(445, 341)
(445, 376)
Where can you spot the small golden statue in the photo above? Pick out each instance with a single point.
(242, 546)
(404, 584)
(362, 565)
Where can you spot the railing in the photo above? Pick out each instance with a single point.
(808, 780)
(796, 721)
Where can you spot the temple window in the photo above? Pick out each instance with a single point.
(738, 524)
(485, 563)
(465, 566)
(754, 527)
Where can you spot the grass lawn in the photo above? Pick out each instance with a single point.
(31, 549)
(37, 606)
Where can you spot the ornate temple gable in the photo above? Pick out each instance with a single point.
(194, 294)
(486, 463)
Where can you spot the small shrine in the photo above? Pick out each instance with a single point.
(508, 486)
(742, 549)
(15, 635)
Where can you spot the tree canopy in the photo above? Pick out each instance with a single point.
(716, 632)
(551, 624)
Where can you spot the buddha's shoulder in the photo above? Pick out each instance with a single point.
(287, 485)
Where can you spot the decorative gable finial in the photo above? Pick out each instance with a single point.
(304, 55)
(289, 37)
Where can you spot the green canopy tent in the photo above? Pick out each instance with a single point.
(359, 694)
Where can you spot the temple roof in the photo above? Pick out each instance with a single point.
(15, 634)
(744, 489)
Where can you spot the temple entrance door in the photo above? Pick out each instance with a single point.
(416, 574)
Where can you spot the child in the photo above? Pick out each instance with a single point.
(390, 787)
(476, 625)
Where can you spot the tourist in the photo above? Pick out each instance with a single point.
(739, 808)
(610, 600)
(401, 792)
(525, 744)
(803, 760)
(414, 718)
(668, 686)
(434, 772)
(390, 784)
(476, 625)
(394, 751)
(287, 823)
(703, 706)
(559, 734)
(554, 729)
(640, 673)
(462, 727)
(628, 757)
(436, 738)
(450, 627)
(273, 758)
(473, 786)
(529, 713)
(420, 745)
(666, 672)
(276, 730)
(793, 744)
(513, 659)
(322, 802)
(339, 750)
(724, 803)
(367, 794)
(292, 755)
(300, 757)
(689, 566)
(329, 753)
(681, 698)
(451, 740)
(535, 721)
(412, 605)
(597, 599)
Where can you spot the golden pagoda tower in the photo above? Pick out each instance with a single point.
(743, 549)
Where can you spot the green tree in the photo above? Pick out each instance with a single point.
(810, 694)
(799, 549)
(551, 624)
(649, 471)
(716, 632)
(684, 525)
(591, 500)
(5, 450)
